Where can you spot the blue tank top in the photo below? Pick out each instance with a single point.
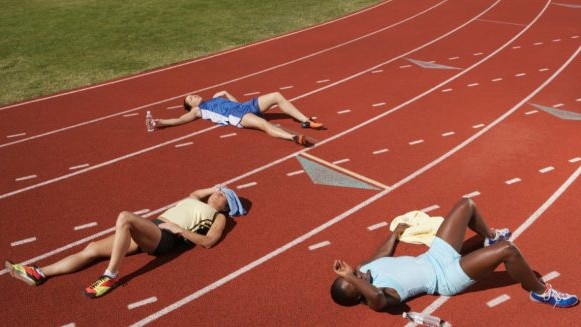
(408, 276)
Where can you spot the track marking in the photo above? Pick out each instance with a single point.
(297, 172)
(319, 245)
(448, 134)
(377, 226)
(24, 241)
(379, 104)
(79, 166)
(558, 105)
(174, 107)
(550, 276)
(543, 69)
(380, 151)
(532, 112)
(498, 79)
(499, 300)
(377, 71)
(251, 184)
(512, 181)
(538, 43)
(181, 145)
(323, 81)
(447, 90)
(85, 226)
(431, 208)
(131, 114)
(546, 170)
(574, 160)
(472, 84)
(477, 126)
(141, 303)
(520, 74)
(23, 178)
(251, 93)
(416, 142)
(500, 22)
(228, 135)
(141, 212)
(15, 135)
(341, 112)
(286, 87)
(471, 195)
(338, 162)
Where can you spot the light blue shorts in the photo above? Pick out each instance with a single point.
(450, 278)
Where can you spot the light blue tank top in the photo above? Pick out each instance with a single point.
(409, 276)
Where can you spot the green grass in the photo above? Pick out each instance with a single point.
(48, 46)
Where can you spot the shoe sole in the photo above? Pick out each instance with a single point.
(17, 275)
(554, 306)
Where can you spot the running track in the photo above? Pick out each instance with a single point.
(72, 161)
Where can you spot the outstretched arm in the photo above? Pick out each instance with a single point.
(203, 193)
(387, 249)
(226, 95)
(186, 118)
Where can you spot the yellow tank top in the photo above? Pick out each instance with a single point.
(191, 214)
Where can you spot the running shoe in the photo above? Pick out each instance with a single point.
(501, 235)
(301, 139)
(99, 288)
(555, 298)
(311, 123)
(31, 275)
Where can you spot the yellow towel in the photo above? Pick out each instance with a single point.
(422, 228)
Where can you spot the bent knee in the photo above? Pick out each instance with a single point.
(125, 217)
(509, 249)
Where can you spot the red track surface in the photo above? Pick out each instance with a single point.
(477, 131)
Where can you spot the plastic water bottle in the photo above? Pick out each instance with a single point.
(425, 319)
(149, 123)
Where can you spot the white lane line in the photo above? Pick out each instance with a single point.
(247, 185)
(296, 172)
(498, 79)
(380, 151)
(174, 107)
(377, 71)
(343, 111)
(15, 135)
(286, 87)
(85, 165)
(446, 90)
(538, 43)
(496, 301)
(227, 135)
(340, 161)
(558, 105)
(141, 303)
(319, 245)
(557, 40)
(377, 226)
(405, 66)
(251, 93)
(24, 241)
(578, 100)
(141, 212)
(543, 69)
(516, 47)
(85, 226)
(520, 74)
(448, 133)
(416, 142)
(379, 104)
(528, 113)
(131, 114)
(183, 144)
(575, 160)
(431, 208)
(550, 276)
(23, 178)
(453, 58)
(477, 126)
(323, 81)
(478, 54)
(546, 169)
(512, 181)
(472, 84)
(471, 195)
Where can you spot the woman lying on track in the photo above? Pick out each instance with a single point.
(385, 280)
(224, 109)
(196, 219)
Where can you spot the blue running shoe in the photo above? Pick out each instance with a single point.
(555, 298)
(501, 235)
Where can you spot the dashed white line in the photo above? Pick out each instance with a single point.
(431, 208)
(471, 195)
(377, 226)
(512, 181)
(516, 47)
(24, 241)
(557, 40)
(520, 75)
(174, 107)
(319, 245)
(448, 133)
(142, 303)
(379, 104)
(446, 90)
(380, 151)
(575, 36)
(79, 166)
(405, 66)
(477, 126)
(323, 81)
(15, 135)
(227, 135)
(416, 142)
(286, 87)
(141, 212)
(558, 105)
(546, 169)
(183, 144)
(85, 226)
(247, 185)
(131, 114)
(538, 43)
(296, 172)
(23, 178)
(338, 162)
(478, 54)
(550, 276)
(498, 300)
(578, 100)
(531, 112)
(343, 111)
(472, 84)
(377, 71)
(543, 69)
(453, 58)
(498, 79)
(574, 160)
(251, 93)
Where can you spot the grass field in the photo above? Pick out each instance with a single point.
(53, 45)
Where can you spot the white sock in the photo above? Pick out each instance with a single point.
(110, 274)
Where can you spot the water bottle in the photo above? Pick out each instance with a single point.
(149, 123)
(425, 319)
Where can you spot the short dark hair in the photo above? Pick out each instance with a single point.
(187, 106)
(339, 294)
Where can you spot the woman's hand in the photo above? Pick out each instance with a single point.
(399, 229)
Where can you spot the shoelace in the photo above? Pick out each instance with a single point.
(99, 281)
(551, 292)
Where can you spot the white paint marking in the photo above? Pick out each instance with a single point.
(85, 165)
(578, 100)
(377, 71)
(246, 185)
(448, 134)
(174, 107)
(431, 208)
(70, 324)
(498, 79)
(405, 66)
(319, 245)
(472, 84)
(546, 169)
(19, 179)
(478, 54)
(557, 40)
(379, 104)
(227, 135)
(550, 276)
(251, 93)
(85, 226)
(516, 47)
(141, 303)
(323, 81)
(575, 36)
(380, 151)
(296, 172)
(538, 43)
(286, 87)
(183, 144)
(453, 58)
(471, 195)
(416, 142)
(531, 112)
(494, 302)
(15, 135)
(377, 226)
(343, 111)
(131, 114)
(577, 159)
(446, 90)
(477, 126)
(558, 105)
(141, 212)
(512, 181)
(340, 161)
(520, 74)
(24, 241)
(543, 69)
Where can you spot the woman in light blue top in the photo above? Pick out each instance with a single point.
(385, 280)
